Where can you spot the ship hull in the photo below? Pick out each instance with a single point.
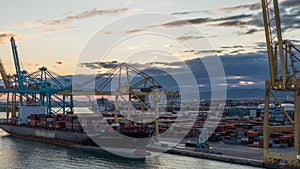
(47, 135)
(72, 139)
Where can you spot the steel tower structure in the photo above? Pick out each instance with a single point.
(283, 63)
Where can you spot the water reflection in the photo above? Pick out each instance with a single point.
(19, 153)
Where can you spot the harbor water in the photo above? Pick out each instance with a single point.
(18, 153)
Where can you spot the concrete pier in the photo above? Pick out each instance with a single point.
(218, 157)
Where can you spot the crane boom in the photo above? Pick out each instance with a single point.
(17, 63)
(4, 75)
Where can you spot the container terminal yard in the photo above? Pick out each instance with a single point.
(142, 118)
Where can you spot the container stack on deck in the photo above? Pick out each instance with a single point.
(59, 121)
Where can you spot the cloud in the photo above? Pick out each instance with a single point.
(237, 51)
(261, 44)
(232, 47)
(188, 51)
(235, 77)
(136, 30)
(58, 29)
(99, 65)
(248, 70)
(251, 31)
(58, 62)
(190, 37)
(185, 13)
(4, 36)
(295, 41)
(252, 65)
(179, 23)
(289, 12)
(208, 51)
(196, 21)
(235, 23)
(245, 83)
(113, 64)
(83, 15)
(290, 3)
(255, 6)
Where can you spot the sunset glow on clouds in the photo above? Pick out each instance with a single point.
(53, 33)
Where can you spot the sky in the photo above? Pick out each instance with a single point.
(67, 36)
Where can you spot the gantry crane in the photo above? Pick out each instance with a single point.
(5, 76)
(38, 88)
(126, 82)
(11, 98)
(283, 63)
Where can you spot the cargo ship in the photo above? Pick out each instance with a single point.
(95, 129)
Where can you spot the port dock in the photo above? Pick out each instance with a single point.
(219, 153)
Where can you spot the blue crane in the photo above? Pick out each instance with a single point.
(38, 88)
(19, 73)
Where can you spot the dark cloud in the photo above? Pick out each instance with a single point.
(251, 31)
(252, 65)
(4, 37)
(180, 23)
(86, 14)
(248, 67)
(188, 51)
(235, 17)
(255, 6)
(290, 4)
(232, 47)
(135, 30)
(248, 70)
(261, 44)
(92, 65)
(231, 23)
(208, 51)
(189, 37)
(289, 14)
(184, 13)
(237, 51)
(203, 51)
(295, 41)
(99, 65)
